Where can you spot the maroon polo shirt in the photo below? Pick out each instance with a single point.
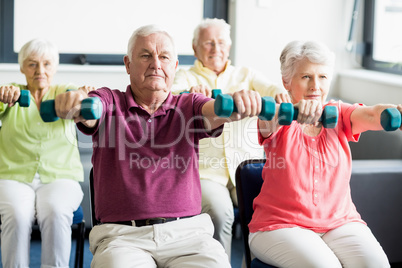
(146, 166)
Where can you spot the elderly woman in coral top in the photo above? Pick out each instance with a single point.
(304, 215)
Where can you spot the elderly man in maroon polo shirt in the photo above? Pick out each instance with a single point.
(145, 162)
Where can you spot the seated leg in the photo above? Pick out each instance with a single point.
(56, 203)
(292, 247)
(17, 212)
(216, 202)
(356, 246)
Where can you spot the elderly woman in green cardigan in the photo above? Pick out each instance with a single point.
(40, 167)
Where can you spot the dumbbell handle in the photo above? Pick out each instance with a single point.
(390, 119)
(25, 98)
(91, 108)
(287, 111)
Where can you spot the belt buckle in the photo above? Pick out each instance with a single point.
(148, 221)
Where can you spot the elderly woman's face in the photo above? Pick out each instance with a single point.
(310, 81)
(38, 71)
(212, 49)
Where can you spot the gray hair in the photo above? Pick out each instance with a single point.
(145, 31)
(296, 51)
(213, 22)
(39, 47)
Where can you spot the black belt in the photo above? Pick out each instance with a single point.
(152, 221)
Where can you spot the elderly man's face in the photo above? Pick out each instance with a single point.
(212, 49)
(153, 63)
(38, 71)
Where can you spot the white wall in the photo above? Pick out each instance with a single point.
(260, 29)
(96, 19)
(370, 87)
(264, 27)
(114, 77)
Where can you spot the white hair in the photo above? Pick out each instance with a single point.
(213, 22)
(296, 51)
(145, 31)
(39, 47)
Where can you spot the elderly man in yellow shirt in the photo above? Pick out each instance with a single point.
(220, 157)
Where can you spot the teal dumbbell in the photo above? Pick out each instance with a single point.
(287, 113)
(216, 92)
(25, 98)
(224, 106)
(91, 108)
(390, 119)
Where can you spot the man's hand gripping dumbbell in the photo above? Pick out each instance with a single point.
(74, 104)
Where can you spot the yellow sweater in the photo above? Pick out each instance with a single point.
(219, 157)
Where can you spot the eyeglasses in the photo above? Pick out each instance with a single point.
(210, 44)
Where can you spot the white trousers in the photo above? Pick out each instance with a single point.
(217, 202)
(52, 205)
(351, 245)
(177, 244)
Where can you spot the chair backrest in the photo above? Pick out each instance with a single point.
(248, 186)
(95, 221)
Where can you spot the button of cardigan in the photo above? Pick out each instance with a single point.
(149, 120)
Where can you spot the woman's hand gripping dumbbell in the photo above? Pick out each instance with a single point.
(66, 106)
(8, 94)
(287, 113)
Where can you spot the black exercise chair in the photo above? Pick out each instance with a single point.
(248, 186)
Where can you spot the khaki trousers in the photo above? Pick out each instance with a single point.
(182, 243)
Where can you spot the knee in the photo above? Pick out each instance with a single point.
(378, 259)
(17, 219)
(217, 207)
(220, 214)
(53, 214)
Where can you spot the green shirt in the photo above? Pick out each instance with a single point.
(29, 146)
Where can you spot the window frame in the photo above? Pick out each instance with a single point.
(368, 38)
(212, 9)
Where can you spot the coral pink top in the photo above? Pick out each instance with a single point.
(306, 179)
